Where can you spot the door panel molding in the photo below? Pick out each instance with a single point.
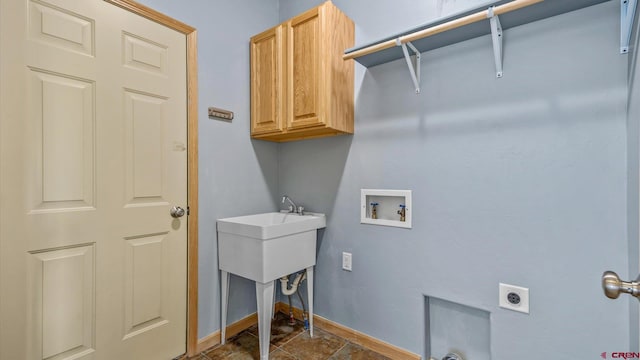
(73, 187)
(64, 318)
(192, 158)
(144, 309)
(61, 28)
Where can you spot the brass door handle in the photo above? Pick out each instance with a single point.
(613, 286)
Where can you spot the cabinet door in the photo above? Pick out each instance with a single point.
(267, 87)
(305, 70)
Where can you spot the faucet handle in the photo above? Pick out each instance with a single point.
(300, 210)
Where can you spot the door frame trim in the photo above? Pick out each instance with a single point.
(192, 157)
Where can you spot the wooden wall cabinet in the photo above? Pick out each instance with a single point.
(300, 86)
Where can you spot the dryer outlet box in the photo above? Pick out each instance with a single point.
(514, 298)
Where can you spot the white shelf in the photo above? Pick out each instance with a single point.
(538, 11)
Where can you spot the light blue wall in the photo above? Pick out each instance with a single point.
(237, 175)
(520, 180)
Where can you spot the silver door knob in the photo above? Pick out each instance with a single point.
(449, 356)
(177, 212)
(613, 286)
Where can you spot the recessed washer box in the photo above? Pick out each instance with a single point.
(388, 209)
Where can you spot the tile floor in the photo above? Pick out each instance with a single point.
(290, 343)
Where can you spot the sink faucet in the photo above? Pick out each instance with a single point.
(293, 208)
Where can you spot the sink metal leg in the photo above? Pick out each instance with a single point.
(224, 301)
(264, 294)
(310, 298)
(275, 291)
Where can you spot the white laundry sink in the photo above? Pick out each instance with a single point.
(265, 247)
(271, 225)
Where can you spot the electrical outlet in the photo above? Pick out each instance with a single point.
(514, 298)
(346, 261)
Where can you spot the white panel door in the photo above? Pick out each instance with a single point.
(93, 155)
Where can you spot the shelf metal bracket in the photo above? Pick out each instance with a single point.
(414, 69)
(627, 12)
(496, 37)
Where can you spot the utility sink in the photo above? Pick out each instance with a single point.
(265, 247)
(271, 225)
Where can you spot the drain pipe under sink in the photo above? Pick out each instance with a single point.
(284, 283)
(284, 286)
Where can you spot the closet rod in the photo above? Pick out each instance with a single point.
(450, 25)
